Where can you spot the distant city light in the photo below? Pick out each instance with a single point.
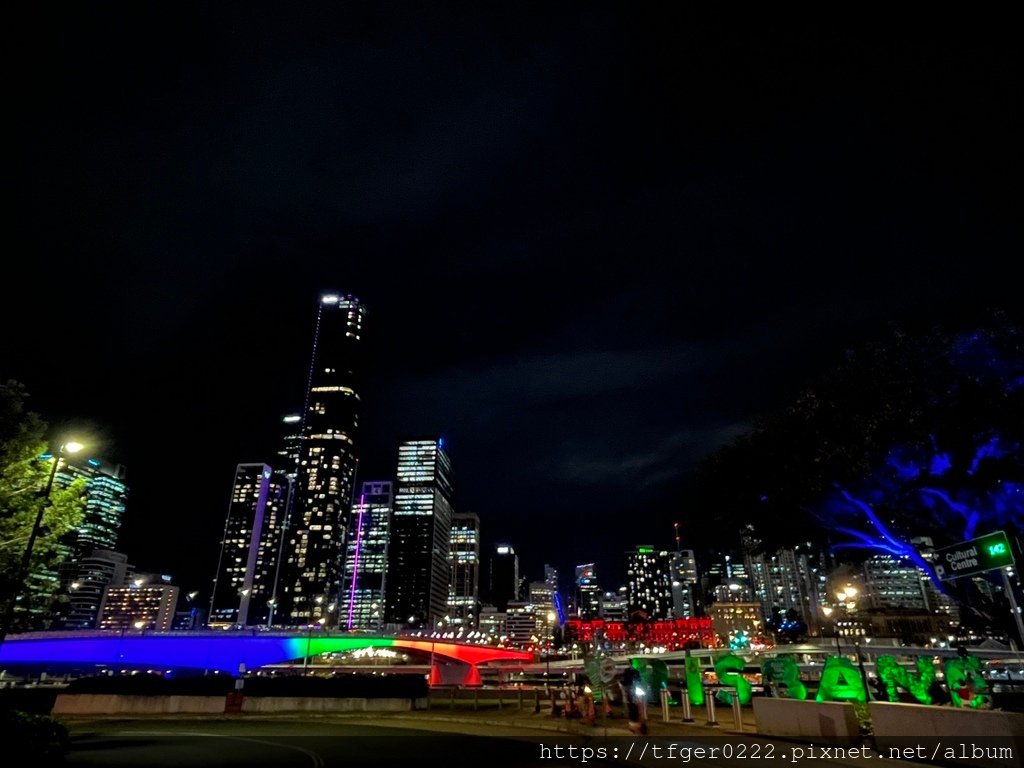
(329, 299)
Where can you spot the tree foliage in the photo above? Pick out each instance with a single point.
(914, 435)
(25, 467)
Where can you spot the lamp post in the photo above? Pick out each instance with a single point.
(309, 639)
(22, 573)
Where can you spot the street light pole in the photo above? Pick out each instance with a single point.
(26, 556)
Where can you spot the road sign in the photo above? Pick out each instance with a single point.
(986, 553)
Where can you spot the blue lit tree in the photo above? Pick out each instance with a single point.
(918, 490)
(918, 435)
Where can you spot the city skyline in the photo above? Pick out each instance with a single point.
(594, 244)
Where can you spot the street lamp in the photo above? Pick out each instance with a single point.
(309, 639)
(22, 573)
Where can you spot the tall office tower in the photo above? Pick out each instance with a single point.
(244, 583)
(105, 497)
(542, 598)
(101, 569)
(464, 563)
(588, 592)
(683, 573)
(366, 557)
(551, 577)
(649, 586)
(311, 581)
(787, 580)
(291, 445)
(503, 576)
(417, 587)
(895, 582)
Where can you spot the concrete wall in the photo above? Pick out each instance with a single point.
(269, 704)
(829, 722)
(896, 725)
(112, 704)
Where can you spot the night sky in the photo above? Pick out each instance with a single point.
(595, 241)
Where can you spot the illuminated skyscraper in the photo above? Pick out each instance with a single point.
(291, 446)
(244, 582)
(464, 562)
(588, 592)
(683, 572)
(311, 581)
(417, 585)
(366, 557)
(650, 589)
(106, 494)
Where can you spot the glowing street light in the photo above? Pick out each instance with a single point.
(71, 446)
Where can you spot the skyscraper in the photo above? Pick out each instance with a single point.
(464, 562)
(504, 576)
(588, 592)
(244, 582)
(311, 581)
(105, 497)
(650, 589)
(417, 586)
(106, 494)
(683, 572)
(366, 557)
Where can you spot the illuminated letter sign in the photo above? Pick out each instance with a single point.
(694, 681)
(785, 674)
(895, 677)
(840, 681)
(728, 668)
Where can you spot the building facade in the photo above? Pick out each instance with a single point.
(464, 564)
(247, 569)
(683, 574)
(503, 576)
(101, 569)
(147, 603)
(312, 579)
(649, 584)
(418, 577)
(588, 592)
(366, 557)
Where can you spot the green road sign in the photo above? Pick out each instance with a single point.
(986, 553)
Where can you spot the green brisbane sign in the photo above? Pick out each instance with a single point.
(985, 553)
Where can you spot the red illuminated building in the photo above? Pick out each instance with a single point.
(672, 634)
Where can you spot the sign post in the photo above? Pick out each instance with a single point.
(985, 553)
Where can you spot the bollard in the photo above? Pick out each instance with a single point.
(687, 713)
(737, 712)
(664, 706)
(709, 702)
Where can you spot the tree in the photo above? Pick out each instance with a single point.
(901, 439)
(25, 465)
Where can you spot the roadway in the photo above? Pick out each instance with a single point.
(510, 737)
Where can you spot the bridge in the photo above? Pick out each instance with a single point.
(226, 651)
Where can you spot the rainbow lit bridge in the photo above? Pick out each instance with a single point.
(226, 651)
